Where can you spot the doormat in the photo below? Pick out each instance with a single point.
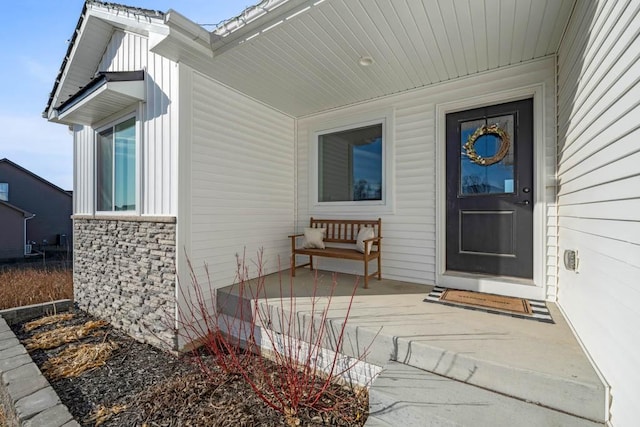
(496, 304)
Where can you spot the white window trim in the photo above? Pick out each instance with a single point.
(108, 123)
(368, 207)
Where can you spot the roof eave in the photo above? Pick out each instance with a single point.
(255, 19)
(184, 41)
(143, 21)
(107, 94)
(25, 214)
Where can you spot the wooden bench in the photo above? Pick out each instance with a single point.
(342, 233)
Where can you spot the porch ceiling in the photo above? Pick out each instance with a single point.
(303, 58)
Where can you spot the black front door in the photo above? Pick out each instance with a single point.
(489, 220)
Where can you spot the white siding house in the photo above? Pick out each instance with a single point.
(598, 190)
(226, 160)
(413, 217)
(127, 51)
(237, 178)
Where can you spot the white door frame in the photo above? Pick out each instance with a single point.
(524, 288)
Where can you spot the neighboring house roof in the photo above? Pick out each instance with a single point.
(16, 166)
(15, 208)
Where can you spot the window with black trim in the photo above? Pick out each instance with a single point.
(116, 167)
(350, 165)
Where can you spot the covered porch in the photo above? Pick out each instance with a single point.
(537, 369)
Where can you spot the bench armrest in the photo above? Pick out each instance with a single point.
(293, 238)
(368, 244)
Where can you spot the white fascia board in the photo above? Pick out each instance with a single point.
(178, 22)
(53, 113)
(183, 35)
(66, 117)
(256, 20)
(129, 21)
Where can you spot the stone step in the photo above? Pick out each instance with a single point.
(406, 396)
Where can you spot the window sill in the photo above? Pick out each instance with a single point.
(125, 217)
(352, 208)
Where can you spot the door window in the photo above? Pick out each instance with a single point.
(487, 153)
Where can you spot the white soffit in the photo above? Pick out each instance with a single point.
(86, 54)
(102, 99)
(306, 60)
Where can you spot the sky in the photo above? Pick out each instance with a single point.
(34, 37)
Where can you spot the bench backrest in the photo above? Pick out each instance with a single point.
(345, 231)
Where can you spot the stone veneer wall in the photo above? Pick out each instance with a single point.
(124, 271)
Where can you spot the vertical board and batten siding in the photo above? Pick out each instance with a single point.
(409, 245)
(129, 52)
(242, 182)
(84, 161)
(598, 193)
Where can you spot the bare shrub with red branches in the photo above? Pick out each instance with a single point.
(291, 360)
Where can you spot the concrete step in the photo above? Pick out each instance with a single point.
(537, 362)
(406, 396)
(374, 421)
(581, 394)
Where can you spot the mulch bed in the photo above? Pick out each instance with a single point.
(139, 385)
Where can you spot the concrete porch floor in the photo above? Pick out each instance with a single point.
(529, 360)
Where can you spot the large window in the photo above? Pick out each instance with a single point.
(350, 165)
(4, 191)
(116, 167)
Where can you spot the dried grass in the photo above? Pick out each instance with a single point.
(75, 360)
(3, 420)
(48, 320)
(56, 337)
(103, 413)
(25, 286)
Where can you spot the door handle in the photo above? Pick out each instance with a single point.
(523, 202)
